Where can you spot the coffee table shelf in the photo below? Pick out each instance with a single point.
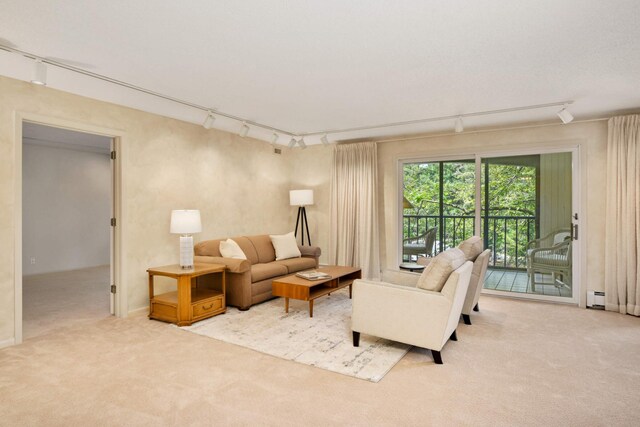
(308, 290)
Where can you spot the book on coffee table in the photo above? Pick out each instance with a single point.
(313, 275)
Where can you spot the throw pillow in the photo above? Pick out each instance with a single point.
(472, 247)
(285, 246)
(231, 249)
(437, 272)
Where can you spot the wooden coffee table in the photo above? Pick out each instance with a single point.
(308, 290)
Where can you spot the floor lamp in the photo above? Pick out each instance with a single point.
(301, 198)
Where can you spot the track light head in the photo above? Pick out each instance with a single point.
(274, 138)
(302, 144)
(324, 140)
(244, 130)
(565, 115)
(292, 143)
(209, 120)
(39, 73)
(459, 125)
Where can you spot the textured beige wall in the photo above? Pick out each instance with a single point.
(239, 185)
(311, 168)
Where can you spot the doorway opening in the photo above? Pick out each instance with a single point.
(67, 237)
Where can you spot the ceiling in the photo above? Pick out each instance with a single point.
(312, 66)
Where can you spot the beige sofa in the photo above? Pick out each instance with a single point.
(249, 281)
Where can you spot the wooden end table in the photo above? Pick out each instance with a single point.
(308, 290)
(189, 303)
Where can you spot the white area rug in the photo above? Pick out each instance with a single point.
(323, 341)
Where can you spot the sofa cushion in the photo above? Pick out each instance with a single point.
(297, 264)
(264, 248)
(208, 248)
(230, 249)
(266, 271)
(248, 248)
(437, 272)
(285, 246)
(472, 247)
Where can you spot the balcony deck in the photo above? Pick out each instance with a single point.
(518, 281)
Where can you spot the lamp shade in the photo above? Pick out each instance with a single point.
(185, 221)
(301, 197)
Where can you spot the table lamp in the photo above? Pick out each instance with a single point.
(185, 222)
(301, 198)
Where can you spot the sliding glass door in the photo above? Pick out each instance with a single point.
(438, 206)
(523, 206)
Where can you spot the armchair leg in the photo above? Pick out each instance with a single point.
(356, 339)
(467, 319)
(453, 337)
(436, 357)
(476, 308)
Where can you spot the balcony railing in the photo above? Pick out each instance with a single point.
(506, 236)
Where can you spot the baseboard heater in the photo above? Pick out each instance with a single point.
(595, 299)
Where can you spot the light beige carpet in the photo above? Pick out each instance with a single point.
(520, 363)
(55, 300)
(323, 341)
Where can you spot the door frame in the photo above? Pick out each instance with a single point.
(579, 163)
(118, 261)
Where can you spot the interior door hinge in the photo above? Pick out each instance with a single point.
(113, 289)
(113, 222)
(113, 155)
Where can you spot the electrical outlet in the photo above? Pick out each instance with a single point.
(32, 260)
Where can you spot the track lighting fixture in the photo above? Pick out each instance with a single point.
(292, 143)
(459, 125)
(302, 144)
(324, 140)
(208, 122)
(244, 131)
(274, 138)
(565, 115)
(39, 73)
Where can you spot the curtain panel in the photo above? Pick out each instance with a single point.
(354, 236)
(622, 238)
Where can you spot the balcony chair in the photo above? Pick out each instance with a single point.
(421, 245)
(421, 310)
(550, 254)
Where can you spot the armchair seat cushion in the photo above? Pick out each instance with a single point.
(436, 273)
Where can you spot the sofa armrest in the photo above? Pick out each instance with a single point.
(233, 265)
(310, 251)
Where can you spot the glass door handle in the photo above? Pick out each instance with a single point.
(574, 231)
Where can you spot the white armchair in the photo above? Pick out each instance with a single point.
(398, 310)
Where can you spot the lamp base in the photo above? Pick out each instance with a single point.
(186, 251)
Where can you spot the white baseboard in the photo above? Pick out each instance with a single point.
(138, 310)
(7, 343)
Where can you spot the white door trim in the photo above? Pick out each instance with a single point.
(121, 303)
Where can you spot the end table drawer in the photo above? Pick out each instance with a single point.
(203, 308)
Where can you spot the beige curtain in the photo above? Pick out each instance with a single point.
(622, 239)
(354, 208)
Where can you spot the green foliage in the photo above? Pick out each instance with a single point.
(512, 193)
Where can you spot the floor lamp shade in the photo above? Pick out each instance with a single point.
(185, 222)
(301, 198)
